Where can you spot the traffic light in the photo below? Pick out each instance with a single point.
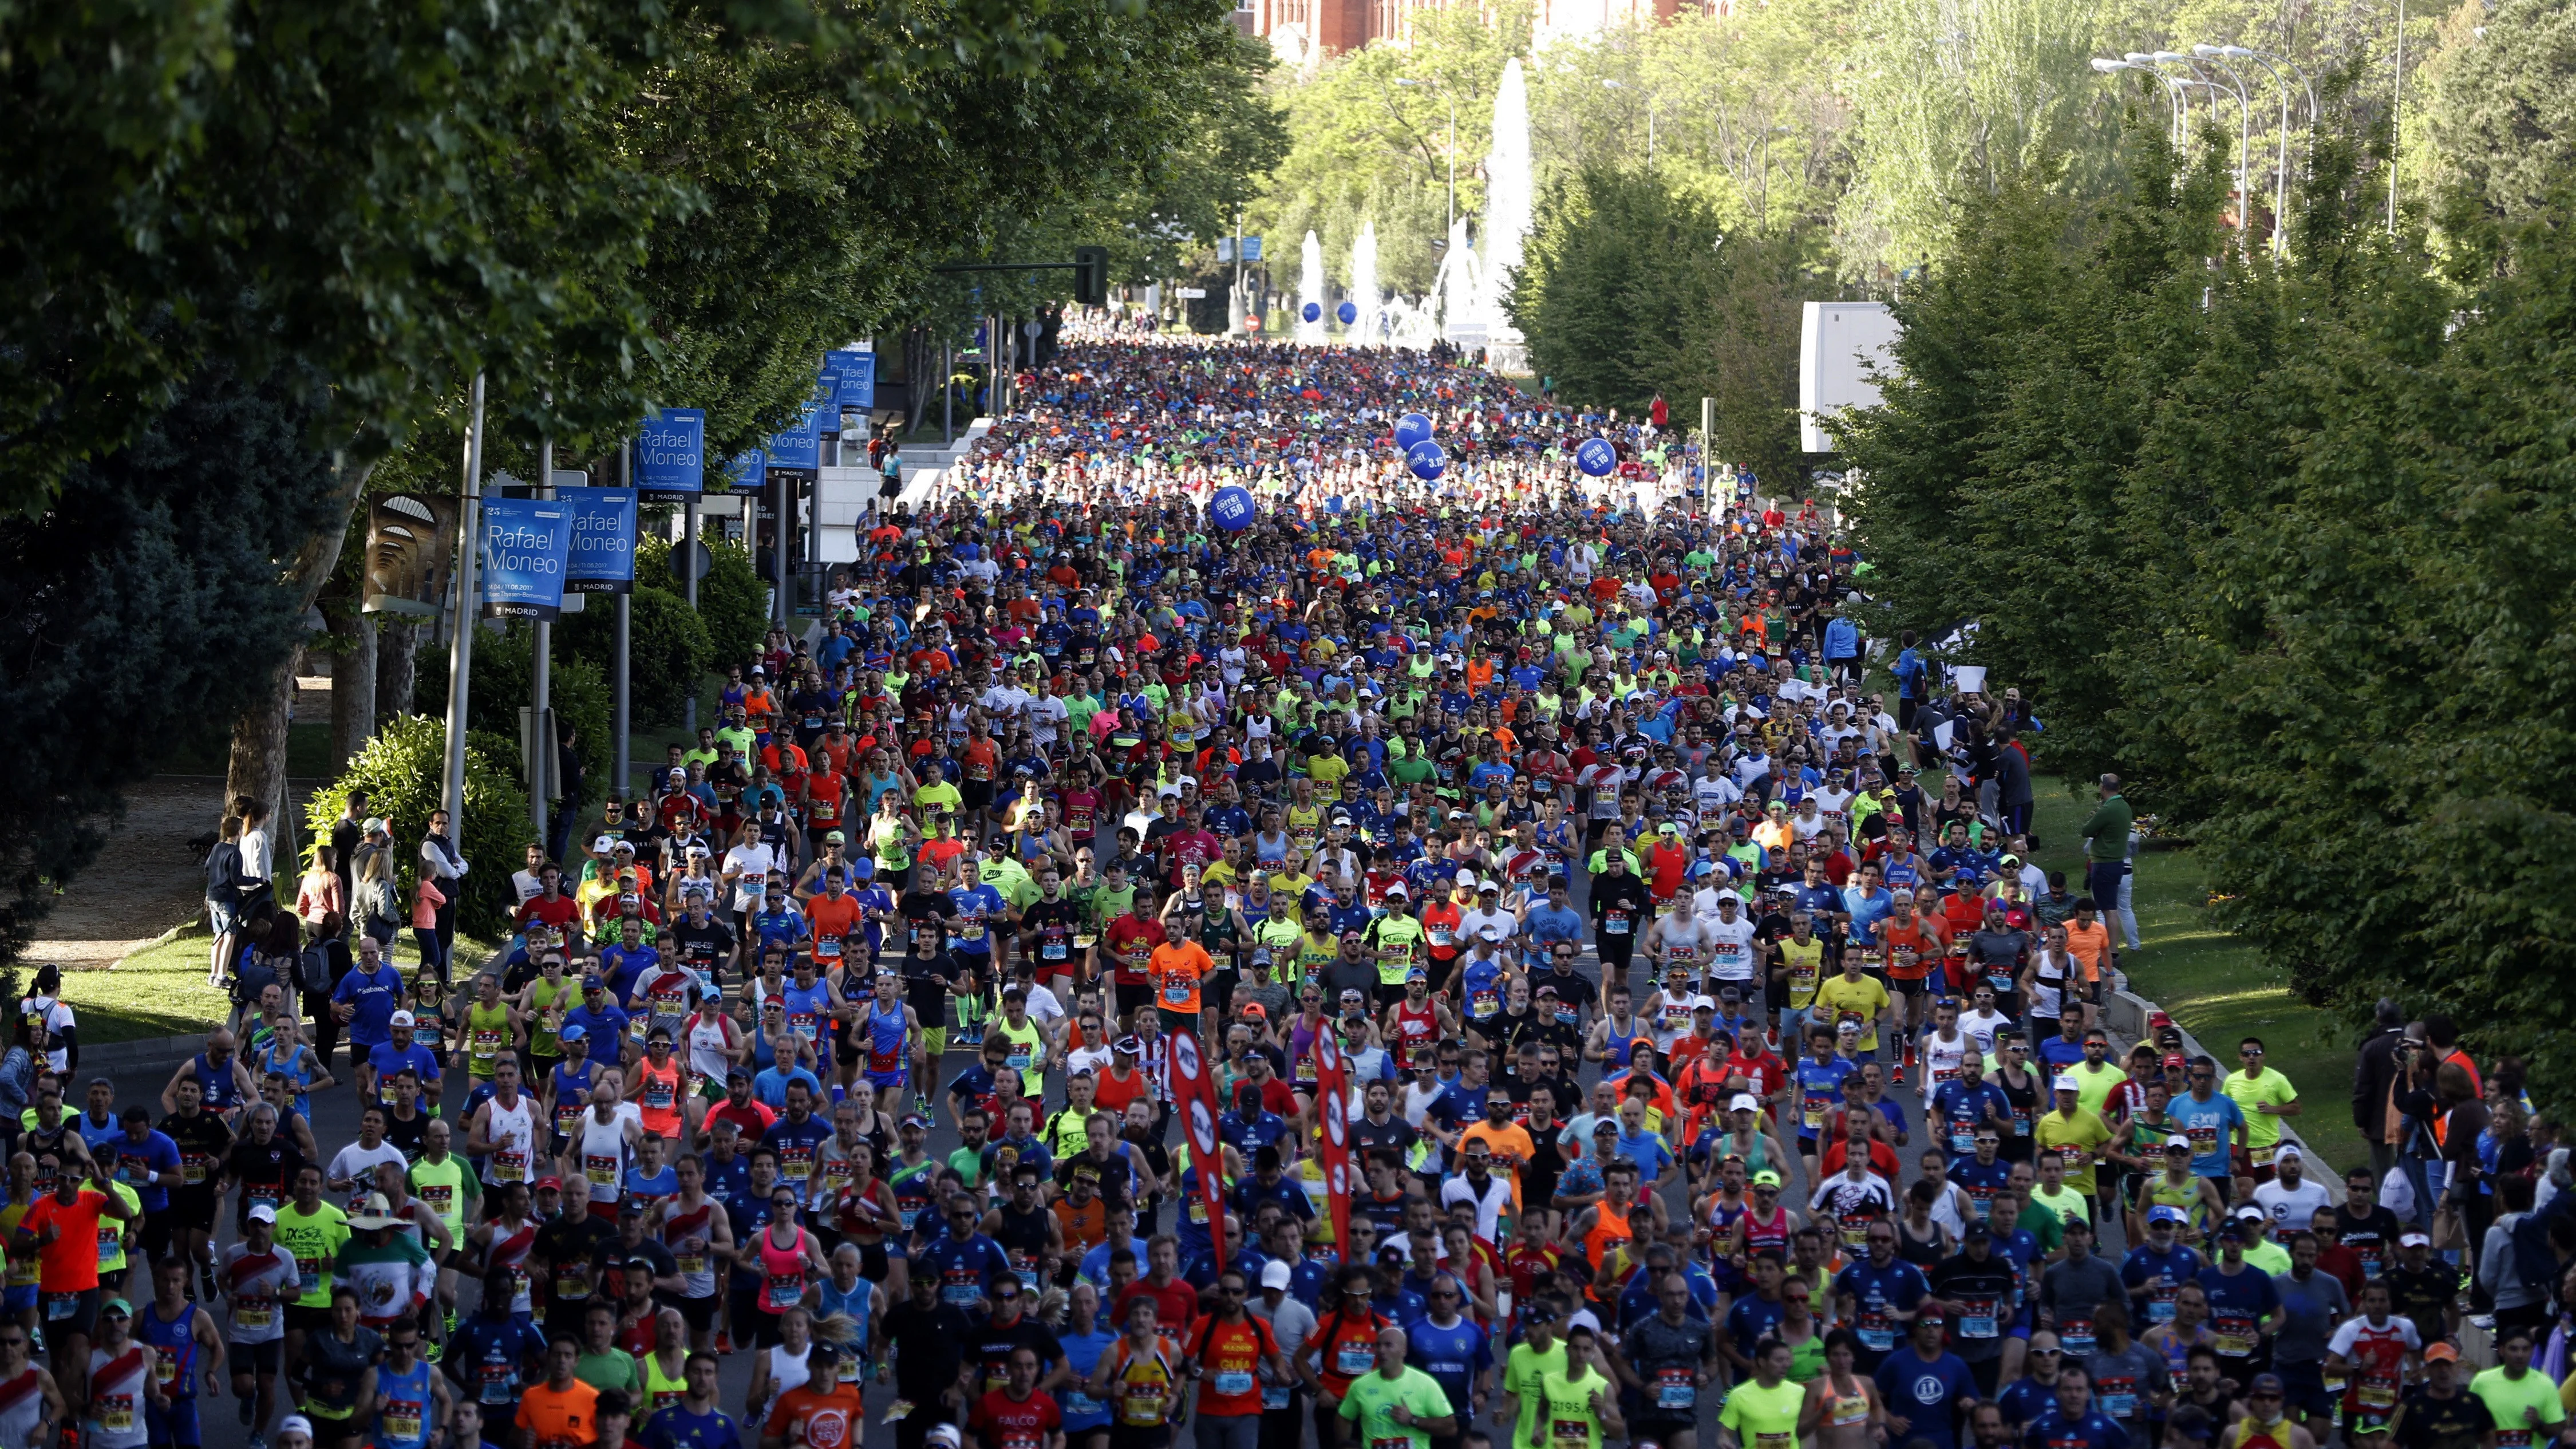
(1091, 276)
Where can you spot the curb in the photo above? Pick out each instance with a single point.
(171, 1050)
(2128, 1013)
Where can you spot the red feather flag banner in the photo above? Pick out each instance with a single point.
(1333, 1135)
(1194, 1096)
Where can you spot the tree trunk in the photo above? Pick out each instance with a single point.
(353, 683)
(257, 767)
(396, 654)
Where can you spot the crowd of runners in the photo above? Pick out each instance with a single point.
(1718, 1058)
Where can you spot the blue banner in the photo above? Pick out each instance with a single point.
(857, 372)
(671, 453)
(747, 473)
(525, 545)
(800, 447)
(603, 540)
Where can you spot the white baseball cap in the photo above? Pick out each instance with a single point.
(402, 1018)
(2066, 1083)
(1274, 1274)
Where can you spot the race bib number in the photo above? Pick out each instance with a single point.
(115, 1412)
(1675, 1388)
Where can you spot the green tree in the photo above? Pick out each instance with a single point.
(404, 772)
(145, 601)
(1600, 295)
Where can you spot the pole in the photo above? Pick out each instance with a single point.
(625, 620)
(778, 553)
(1453, 164)
(460, 651)
(2396, 115)
(947, 395)
(689, 584)
(541, 689)
(1708, 452)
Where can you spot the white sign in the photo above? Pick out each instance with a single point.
(1844, 348)
(1189, 294)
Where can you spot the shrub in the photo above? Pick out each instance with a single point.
(403, 770)
(667, 649)
(504, 678)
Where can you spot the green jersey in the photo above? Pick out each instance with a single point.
(1522, 1371)
(1373, 1397)
(1765, 1418)
(1571, 1421)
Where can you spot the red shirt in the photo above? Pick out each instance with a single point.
(752, 1118)
(999, 1421)
(1132, 942)
(1175, 1304)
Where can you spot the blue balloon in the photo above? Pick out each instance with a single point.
(1596, 457)
(1426, 460)
(1314, 312)
(1349, 312)
(1410, 429)
(1231, 509)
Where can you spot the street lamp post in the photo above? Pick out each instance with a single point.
(2134, 61)
(2211, 56)
(2281, 173)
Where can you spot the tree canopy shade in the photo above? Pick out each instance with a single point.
(597, 207)
(145, 601)
(2291, 549)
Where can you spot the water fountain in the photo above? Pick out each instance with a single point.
(1368, 328)
(1507, 217)
(1310, 291)
(1460, 290)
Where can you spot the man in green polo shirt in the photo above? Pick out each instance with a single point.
(1397, 1401)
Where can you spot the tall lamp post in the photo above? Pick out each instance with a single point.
(2281, 173)
(2173, 92)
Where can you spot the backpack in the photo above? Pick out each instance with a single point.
(313, 970)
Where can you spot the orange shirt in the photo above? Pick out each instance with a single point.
(980, 757)
(560, 1418)
(69, 1263)
(1910, 948)
(2092, 947)
(1176, 969)
(834, 919)
(832, 1420)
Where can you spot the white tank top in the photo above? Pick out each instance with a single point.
(509, 1129)
(1686, 943)
(707, 1056)
(1943, 1058)
(22, 1403)
(603, 1156)
(786, 1373)
(117, 1382)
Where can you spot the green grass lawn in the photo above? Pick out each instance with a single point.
(2215, 985)
(162, 991)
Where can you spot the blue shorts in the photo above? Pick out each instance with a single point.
(176, 1424)
(19, 1300)
(888, 1081)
